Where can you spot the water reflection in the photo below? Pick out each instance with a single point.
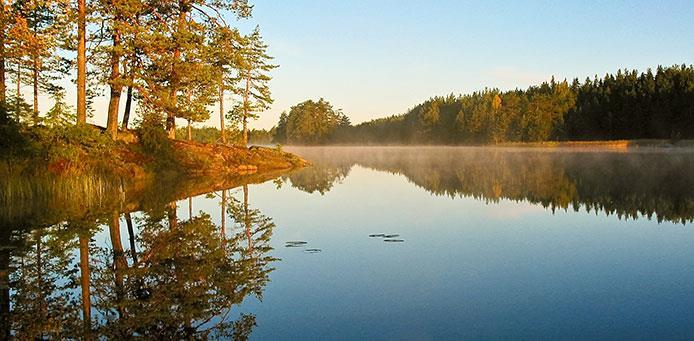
(172, 278)
(651, 183)
(120, 260)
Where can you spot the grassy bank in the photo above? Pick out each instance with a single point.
(74, 151)
(49, 174)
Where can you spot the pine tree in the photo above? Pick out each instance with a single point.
(61, 113)
(81, 61)
(253, 79)
(38, 27)
(225, 55)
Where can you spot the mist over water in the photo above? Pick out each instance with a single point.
(651, 182)
(368, 242)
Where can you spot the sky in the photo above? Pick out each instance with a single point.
(379, 58)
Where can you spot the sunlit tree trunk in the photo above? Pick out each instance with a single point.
(128, 104)
(221, 112)
(84, 282)
(171, 214)
(81, 62)
(190, 208)
(116, 87)
(190, 129)
(35, 76)
(171, 113)
(19, 80)
(2, 52)
(245, 110)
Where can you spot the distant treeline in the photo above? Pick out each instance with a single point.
(626, 105)
(235, 136)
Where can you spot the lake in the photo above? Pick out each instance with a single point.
(414, 243)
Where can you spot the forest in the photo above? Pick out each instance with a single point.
(625, 105)
(166, 60)
(159, 64)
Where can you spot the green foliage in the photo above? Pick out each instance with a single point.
(200, 134)
(310, 122)
(72, 144)
(19, 110)
(627, 105)
(154, 140)
(12, 142)
(61, 113)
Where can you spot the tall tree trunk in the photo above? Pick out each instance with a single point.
(175, 75)
(19, 90)
(190, 129)
(19, 80)
(128, 104)
(35, 75)
(171, 115)
(245, 111)
(2, 53)
(221, 112)
(190, 208)
(116, 87)
(84, 282)
(81, 62)
(172, 216)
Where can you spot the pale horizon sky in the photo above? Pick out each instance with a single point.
(378, 58)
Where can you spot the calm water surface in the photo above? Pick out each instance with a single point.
(376, 243)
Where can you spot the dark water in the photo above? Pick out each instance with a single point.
(368, 243)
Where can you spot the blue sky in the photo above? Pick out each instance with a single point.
(381, 57)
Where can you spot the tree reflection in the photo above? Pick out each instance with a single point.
(42, 300)
(319, 178)
(180, 279)
(256, 230)
(633, 184)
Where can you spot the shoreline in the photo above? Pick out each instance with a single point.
(606, 144)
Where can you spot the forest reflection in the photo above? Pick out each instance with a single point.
(654, 183)
(171, 278)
